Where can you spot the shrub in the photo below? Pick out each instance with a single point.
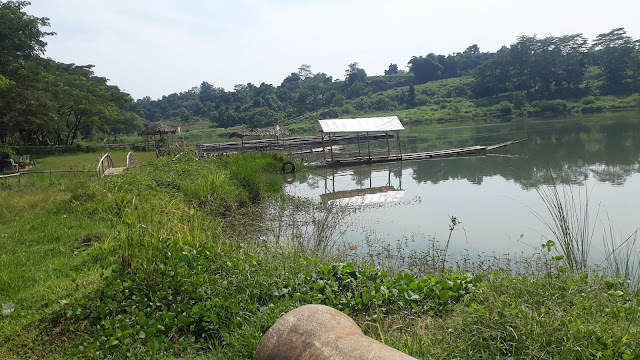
(5, 153)
(505, 108)
(550, 106)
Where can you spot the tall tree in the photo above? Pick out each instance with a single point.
(614, 50)
(305, 71)
(392, 70)
(354, 73)
(20, 34)
(425, 69)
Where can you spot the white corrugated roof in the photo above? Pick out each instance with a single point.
(380, 124)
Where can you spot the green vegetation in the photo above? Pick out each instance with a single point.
(165, 261)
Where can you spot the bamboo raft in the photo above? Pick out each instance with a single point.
(415, 156)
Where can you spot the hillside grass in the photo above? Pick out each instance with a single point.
(169, 261)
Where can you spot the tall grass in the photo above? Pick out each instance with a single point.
(622, 256)
(570, 222)
(573, 224)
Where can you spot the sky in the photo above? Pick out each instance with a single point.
(158, 47)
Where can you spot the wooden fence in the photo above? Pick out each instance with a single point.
(5, 178)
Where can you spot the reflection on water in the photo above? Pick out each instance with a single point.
(493, 195)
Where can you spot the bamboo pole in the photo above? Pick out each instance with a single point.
(324, 154)
(331, 145)
(368, 146)
(386, 134)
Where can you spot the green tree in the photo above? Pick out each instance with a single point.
(492, 77)
(304, 71)
(521, 60)
(392, 70)
(20, 34)
(425, 69)
(573, 63)
(82, 98)
(614, 51)
(354, 73)
(411, 96)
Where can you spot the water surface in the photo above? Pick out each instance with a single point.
(493, 196)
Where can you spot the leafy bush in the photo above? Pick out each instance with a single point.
(5, 153)
(505, 108)
(550, 106)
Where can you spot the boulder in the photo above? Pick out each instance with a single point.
(320, 332)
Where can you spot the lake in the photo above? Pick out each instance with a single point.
(493, 196)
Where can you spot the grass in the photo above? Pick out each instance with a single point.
(168, 261)
(571, 223)
(87, 161)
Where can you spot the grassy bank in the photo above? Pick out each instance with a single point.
(166, 261)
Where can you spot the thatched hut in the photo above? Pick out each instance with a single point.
(154, 129)
(157, 129)
(272, 132)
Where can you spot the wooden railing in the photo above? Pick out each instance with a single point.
(131, 160)
(105, 164)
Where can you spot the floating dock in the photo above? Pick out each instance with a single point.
(414, 156)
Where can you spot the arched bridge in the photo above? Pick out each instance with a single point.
(106, 166)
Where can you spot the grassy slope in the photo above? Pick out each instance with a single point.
(155, 263)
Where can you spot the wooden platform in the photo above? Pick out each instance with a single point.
(114, 171)
(290, 144)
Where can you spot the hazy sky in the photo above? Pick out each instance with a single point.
(154, 48)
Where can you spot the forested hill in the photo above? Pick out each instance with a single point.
(43, 101)
(530, 71)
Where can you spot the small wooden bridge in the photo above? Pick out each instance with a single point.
(106, 166)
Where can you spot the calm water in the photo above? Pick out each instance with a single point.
(493, 196)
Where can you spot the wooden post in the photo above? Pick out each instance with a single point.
(386, 134)
(333, 180)
(331, 145)
(399, 147)
(368, 146)
(324, 154)
(359, 145)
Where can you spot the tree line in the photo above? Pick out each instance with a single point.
(564, 67)
(47, 102)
